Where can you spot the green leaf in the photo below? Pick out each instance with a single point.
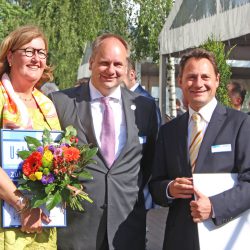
(53, 200)
(23, 154)
(37, 203)
(86, 197)
(70, 130)
(90, 153)
(46, 138)
(23, 186)
(49, 188)
(85, 175)
(32, 143)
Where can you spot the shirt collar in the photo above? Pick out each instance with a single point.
(134, 87)
(206, 111)
(95, 94)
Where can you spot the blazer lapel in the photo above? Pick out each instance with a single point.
(214, 126)
(129, 107)
(82, 102)
(182, 145)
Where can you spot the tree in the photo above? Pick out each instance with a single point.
(221, 57)
(152, 15)
(11, 16)
(70, 24)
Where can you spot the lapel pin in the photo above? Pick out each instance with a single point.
(133, 107)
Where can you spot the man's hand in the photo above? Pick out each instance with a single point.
(31, 220)
(201, 208)
(181, 188)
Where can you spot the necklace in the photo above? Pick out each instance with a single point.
(26, 99)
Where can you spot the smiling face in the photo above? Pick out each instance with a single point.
(108, 65)
(198, 82)
(26, 71)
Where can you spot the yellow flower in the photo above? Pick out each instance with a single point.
(32, 177)
(47, 158)
(39, 175)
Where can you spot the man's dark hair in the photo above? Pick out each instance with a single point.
(197, 53)
(238, 89)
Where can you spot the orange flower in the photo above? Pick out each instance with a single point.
(32, 163)
(71, 154)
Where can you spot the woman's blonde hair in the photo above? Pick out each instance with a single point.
(15, 40)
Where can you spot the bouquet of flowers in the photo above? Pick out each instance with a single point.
(51, 170)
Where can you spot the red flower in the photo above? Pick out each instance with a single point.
(32, 163)
(71, 154)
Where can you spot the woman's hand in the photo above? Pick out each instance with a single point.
(31, 220)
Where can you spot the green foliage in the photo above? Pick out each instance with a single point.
(11, 16)
(70, 24)
(150, 21)
(218, 48)
(55, 178)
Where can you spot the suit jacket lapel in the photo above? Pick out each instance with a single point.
(129, 107)
(182, 131)
(83, 106)
(214, 126)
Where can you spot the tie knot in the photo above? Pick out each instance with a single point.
(105, 100)
(196, 117)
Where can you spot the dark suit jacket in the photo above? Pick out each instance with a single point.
(227, 126)
(141, 91)
(118, 209)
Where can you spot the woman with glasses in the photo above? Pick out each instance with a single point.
(23, 67)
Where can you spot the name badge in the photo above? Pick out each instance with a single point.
(142, 139)
(221, 148)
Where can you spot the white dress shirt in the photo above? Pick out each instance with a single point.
(206, 114)
(97, 109)
(134, 87)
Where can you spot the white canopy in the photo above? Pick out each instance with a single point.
(192, 22)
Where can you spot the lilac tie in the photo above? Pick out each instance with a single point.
(108, 133)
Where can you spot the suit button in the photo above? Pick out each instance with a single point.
(104, 206)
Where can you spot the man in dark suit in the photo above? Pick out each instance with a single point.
(133, 85)
(117, 218)
(220, 128)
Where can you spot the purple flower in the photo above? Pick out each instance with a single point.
(58, 152)
(64, 144)
(51, 148)
(47, 179)
(40, 149)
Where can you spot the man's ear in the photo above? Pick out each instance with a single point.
(132, 74)
(179, 81)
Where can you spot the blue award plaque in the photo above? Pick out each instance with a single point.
(12, 141)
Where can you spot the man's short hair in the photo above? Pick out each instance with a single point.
(99, 40)
(238, 89)
(197, 53)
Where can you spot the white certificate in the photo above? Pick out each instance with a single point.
(11, 141)
(233, 235)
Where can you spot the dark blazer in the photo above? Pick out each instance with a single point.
(118, 213)
(141, 91)
(227, 126)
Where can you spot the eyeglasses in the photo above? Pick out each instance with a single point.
(29, 52)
